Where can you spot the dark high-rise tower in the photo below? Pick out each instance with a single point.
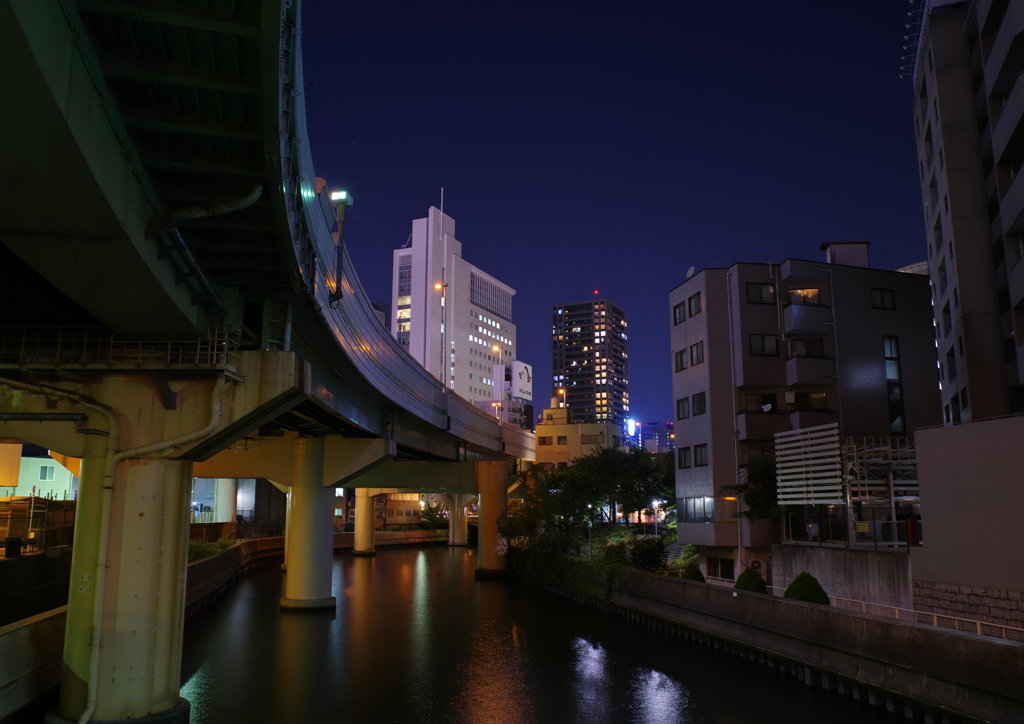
(589, 361)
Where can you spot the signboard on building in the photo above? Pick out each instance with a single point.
(522, 380)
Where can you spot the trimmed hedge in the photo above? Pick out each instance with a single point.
(805, 587)
(750, 580)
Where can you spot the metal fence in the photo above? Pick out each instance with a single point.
(91, 347)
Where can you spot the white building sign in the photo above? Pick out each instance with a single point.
(522, 380)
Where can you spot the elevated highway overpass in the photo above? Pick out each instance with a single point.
(174, 304)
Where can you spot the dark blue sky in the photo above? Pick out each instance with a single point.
(591, 145)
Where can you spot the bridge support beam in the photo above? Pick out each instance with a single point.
(310, 536)
(457, 520)
(364, 543)
(492, 483)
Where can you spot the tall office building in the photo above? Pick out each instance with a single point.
(759, 349)
(968, 113)
(455, 319)
(589, 361)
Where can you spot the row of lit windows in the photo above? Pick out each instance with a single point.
(489, 333)
(486, 320)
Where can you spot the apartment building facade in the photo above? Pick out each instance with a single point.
(763, 348)
(590, 361)
(968, 109)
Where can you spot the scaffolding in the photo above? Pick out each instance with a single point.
(857, 492)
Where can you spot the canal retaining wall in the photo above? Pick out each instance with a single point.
(928, 674)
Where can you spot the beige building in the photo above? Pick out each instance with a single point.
(559, 441)
(763, 348)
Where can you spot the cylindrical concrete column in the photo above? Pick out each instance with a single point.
(492, 484)
(287, 525)
(142, 598)
(364, 545)
(457, 520)
(310, 553)
(225, 494)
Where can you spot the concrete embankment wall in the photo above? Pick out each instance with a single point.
(968, 676)
(31, 649)
(862, 575)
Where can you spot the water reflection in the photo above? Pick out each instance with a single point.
(416, 639)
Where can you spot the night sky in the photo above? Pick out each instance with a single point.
(591, 145)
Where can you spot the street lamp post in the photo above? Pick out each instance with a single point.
(342, 200)
(590, 529)
(443, 288)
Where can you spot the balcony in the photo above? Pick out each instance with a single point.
(799, 419)
(1009, 120)
(1007, 48)
(760, 425)
(1011, 207)
(806, 318)
(810, 371)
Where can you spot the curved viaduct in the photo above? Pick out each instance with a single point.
(176, 305)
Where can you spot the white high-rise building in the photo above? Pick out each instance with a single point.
(454, 318)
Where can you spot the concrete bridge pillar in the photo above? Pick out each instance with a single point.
(492, 484)
(125, 614)
(457, 520)
(225, 502)
(311, 528)
(364, 545)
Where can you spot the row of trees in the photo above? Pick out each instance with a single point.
(560, 504)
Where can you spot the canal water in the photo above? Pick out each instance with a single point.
(415, 638)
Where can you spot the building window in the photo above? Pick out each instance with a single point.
(544, 440)
(699, 405)
(700, 456)
(563, 440)
(893, 383)
(46, 472)
(678, 314)
(684, 457)
(963, 398)
(760, 293)
(883, 298)
(764, 345)
(696, 510)
(680, 360)
(682, 408)
(806, 347)
(693, 304)
(697, 353)
(809, 296)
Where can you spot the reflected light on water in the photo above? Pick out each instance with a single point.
(658, 698)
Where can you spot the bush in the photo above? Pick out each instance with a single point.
(805, 587)
(750, 580)
(225, 542)
(615, 553)
(198, 549)
(647, 553)
(692, 572)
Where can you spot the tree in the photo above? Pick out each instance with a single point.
(759, 490)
